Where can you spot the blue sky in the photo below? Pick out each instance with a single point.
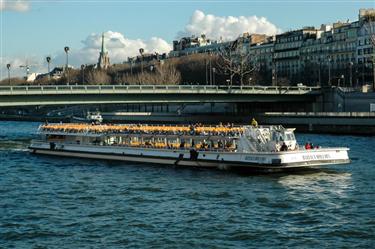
(44, 27)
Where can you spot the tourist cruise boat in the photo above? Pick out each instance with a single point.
(265, 148)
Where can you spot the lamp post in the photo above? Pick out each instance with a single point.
(342, 77)
(48, 59)
(329, 69)
(83, 73)
(319, 75)
(131, 66)
(363, 71)
(141, 51)
(351, 73)
(66, 49)
(210, 63)
(206, 62)
(213, 75)
(8, 67)
(274, 73)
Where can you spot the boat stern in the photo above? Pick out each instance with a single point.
(314, 157)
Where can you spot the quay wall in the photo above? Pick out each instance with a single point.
(357, 123)
(345, 100)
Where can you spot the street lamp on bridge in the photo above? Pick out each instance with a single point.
(141, 51)
(351, 73)
(213, 75)
(329, 69)
(8, 67)
(66, 49)
(48, 59)
(83, 73)
(342, 77)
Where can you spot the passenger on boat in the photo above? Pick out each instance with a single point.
(254, 123)
(311, 146)
(307, 146)
(284, 147)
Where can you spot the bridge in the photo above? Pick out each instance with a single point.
(116, 94)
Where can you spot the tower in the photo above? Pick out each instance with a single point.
(103, 62)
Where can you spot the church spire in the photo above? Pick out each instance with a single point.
(103, 62)
(103, 48)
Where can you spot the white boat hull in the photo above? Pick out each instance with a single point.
(268, 161)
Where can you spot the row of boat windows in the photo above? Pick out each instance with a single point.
(283, 137)
(159, 143)
(176, 143)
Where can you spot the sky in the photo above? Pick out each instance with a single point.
(30, 30)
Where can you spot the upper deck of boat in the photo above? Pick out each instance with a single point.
(141, 129)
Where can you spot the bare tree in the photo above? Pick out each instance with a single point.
(168, 73)
(14, 81)
(160, 73)
(98, 77)
(235, 61)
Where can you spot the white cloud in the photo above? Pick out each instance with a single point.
(226, 27)
(14, 5)
(118, 46)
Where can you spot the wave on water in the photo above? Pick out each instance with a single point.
(14, 145)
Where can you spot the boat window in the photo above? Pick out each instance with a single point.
(289, 136)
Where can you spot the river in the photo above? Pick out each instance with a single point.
(53, 202)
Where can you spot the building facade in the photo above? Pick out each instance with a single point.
(365, 56)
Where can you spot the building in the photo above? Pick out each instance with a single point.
(190, 42)
(314, 57)
(146, 57)
(103, 62)
(195, 45)
(287, 53)
(261, 54)
(365, 46)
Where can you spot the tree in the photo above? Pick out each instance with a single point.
(98, 77)
(160, 73)
(14, 81)
(234, 61)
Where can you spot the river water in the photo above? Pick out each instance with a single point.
(52, 202)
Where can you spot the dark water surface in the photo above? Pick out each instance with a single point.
(52, 202)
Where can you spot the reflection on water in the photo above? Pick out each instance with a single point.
(324, 199)
(326, 182)
(16, 145)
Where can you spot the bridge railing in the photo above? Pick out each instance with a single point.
(76, 89)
